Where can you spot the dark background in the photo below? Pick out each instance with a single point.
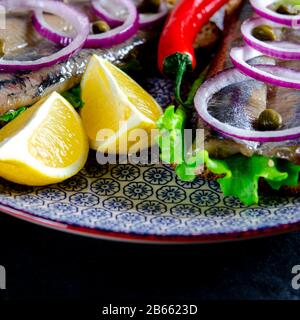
(44, 264)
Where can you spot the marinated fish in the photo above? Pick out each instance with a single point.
(22, 42)
(240, 105)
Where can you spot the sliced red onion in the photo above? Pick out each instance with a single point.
(286, 78)
(119, 34)
(261, 7)
(277, 49)
(126, 30)
(110, 11)
(114, 15)
(149, 19)
(227, 78)
(80, 22)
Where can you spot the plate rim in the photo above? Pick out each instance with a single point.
(150, 239)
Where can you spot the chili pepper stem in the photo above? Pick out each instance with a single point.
(181, 71)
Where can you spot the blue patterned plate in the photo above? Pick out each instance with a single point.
(147, 203)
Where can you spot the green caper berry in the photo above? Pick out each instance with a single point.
(149, 6)
(2, 47)
(286, 9)
(269, 119)
(100, 26)
(264, 33)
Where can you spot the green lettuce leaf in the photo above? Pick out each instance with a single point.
(245, 173)
(293, 175)
(11, 115)
(74, 97)
(289, 2)
(170, 138)
(241, 174)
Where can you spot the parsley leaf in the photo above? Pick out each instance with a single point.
(74, 97)
(11, 115)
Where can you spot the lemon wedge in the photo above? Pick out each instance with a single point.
(115, 104)
(46, 144)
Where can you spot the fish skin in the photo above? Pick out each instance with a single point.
(23, 43)
(220, 146)
(25, 88)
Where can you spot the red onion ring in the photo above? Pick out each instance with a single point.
(119, 34)
(286, 78)
(261, 8)
(145, 20)
(80, 22)
(126, 30)
(99, 9)
(222, 80)
(277, 49)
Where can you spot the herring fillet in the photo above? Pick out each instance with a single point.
(255, 96)
(22, 42)
(25, 88)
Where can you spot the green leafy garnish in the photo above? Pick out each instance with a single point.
(170, 139)
(288, 2)
(241, 174)
(293, 175)
(11, 115)
(74, 97)
(242, 181)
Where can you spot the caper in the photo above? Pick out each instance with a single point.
(286, 9)
(269, 119)
(149, 6)
(264, 33)
(100, 26)
(2, 47)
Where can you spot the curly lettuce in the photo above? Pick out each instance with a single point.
(239, 174)
(171, 126)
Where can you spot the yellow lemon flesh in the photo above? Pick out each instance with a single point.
(114, 106)
(45, 144)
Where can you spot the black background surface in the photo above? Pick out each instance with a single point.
(44, 264)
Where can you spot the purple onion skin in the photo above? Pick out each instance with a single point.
(202, 98)
(252, 74)
(284, 21)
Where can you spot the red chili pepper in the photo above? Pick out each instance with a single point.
(176, 53)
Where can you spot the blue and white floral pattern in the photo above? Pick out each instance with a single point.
(84, 199)
(147, 199)
(105, 187)
(233, 202)
(171, 194)
(157, 176)
(151, 207)
(204, 198)
(62, 208)
(196, 184)
(77, 183)
(51, 194)
(93, 169)
(125, 200)
(118, 203)
(125, 172)
(185, 211)
(138, 191)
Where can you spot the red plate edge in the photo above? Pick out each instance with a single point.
(150, 239)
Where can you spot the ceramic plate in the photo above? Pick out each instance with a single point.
(147, 203)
